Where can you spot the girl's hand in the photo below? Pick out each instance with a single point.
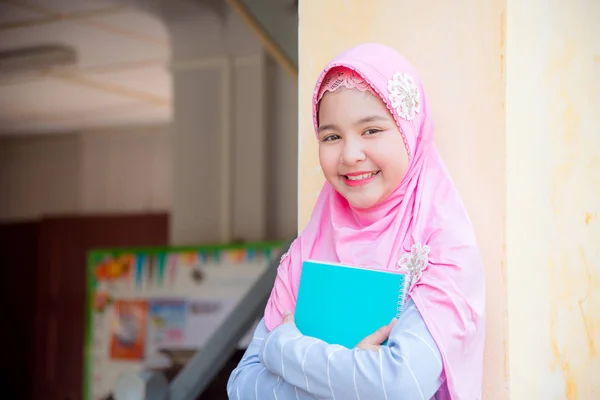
(375, 339)
(371, 342)
(288, 317)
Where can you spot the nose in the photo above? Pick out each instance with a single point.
(352, 151)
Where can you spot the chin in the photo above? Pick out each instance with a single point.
(362, 201)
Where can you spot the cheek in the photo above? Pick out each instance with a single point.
(395, 166)
(328, 158)
(399, 170)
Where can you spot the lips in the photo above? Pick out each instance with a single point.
(355, 176)
(359, 178)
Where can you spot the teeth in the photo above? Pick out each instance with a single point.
(359, 177)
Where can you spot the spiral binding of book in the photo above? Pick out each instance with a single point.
(402, 295)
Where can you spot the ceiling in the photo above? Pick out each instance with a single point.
(121, 75)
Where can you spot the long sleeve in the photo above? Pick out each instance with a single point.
(250, 380)
(409, 367)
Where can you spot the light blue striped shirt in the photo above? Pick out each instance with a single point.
(285, 365)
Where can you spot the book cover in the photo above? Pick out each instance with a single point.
(342, 304)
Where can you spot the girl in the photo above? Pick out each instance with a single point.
(389, 202)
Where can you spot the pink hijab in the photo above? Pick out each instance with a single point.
(425, 215)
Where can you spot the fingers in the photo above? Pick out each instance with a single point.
(374, 340)
(288, 317)
(392, 323)
(381, 335)
(369, 347)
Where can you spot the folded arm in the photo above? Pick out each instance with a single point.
(409, 367)
(250, 380)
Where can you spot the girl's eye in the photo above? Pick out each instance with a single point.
(372, 131)
(330, 138)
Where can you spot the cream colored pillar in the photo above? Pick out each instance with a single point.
(515, 91)
(553, 198)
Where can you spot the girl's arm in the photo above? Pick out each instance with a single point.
(409, 367)
(250, 380)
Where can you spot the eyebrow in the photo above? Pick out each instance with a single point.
(365, 120)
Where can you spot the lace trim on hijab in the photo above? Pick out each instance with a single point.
(326, 76)
(343, 77)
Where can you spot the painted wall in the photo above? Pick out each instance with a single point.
(553, 198)
(146, 168)
(129, 169)
(520, 134)
(102, 171)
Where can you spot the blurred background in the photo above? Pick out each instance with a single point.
(148, 177)
(149, 180)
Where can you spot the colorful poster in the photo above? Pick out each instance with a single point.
(167, 324)
(128, 330)
(154, 308)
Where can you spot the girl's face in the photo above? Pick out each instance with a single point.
(361, 150)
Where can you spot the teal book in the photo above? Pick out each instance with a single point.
(342, 304)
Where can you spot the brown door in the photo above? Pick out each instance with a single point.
(59, 318)
(18, 262)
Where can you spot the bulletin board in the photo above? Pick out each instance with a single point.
(144, 304)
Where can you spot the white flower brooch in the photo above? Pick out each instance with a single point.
(414, 263)
(404, 95)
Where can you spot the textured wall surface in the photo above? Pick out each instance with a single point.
(553, 199)
(515, 89)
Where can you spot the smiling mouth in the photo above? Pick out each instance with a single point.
(361, 176)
